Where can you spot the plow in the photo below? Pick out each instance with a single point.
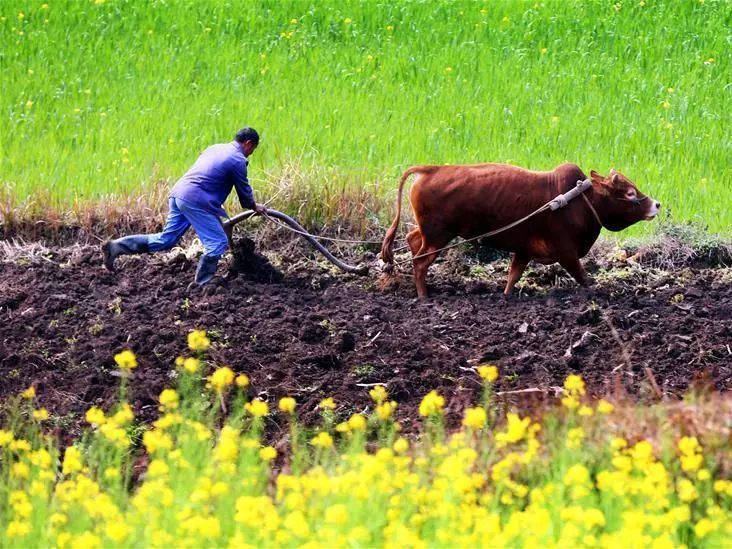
(298, 229)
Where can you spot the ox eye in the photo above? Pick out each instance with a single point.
(630, 193)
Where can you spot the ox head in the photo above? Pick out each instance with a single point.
(619, 203)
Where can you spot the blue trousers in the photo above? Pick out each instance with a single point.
(183, 215)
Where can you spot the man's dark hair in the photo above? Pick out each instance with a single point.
(247, 134)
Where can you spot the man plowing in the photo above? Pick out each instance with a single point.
(197, 200)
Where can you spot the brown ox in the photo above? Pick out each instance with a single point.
(470, 200)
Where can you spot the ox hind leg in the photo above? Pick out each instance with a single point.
(517, 268)
(414, 239)
(573, 266)
(425, 257)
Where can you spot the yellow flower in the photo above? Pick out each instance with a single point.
(475, 418)
(357, 422)
(168, 399)
(516, 429)
(198, 341)
(287, 405)
(703, 474)
(126, 360)
(21, 470)
(156, 440)
(322, 440)
(123, 416)
(95, 416)
(221, 379)
(117, 531)
(348, 21)
(18, 528)
(604, 407)
(574, 385)
(385, 410)
(6, 437)
(268, 453)
(190, 364)
(686, 490)
(327, 404)
(29, 393)
(570, 402)
(41, 414)
(666, 105)
(431, 404)
(378, 394)
(72, 461)
(400, 445)
(488, 372)
(242, 380)
(258, 408)
(585, 411)
(689, 445)
(703, 527)
(28, 104)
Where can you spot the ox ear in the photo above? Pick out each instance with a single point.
(596, 177)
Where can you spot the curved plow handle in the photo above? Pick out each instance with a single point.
(229, 227)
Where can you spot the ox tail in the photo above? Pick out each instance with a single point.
(387, 254)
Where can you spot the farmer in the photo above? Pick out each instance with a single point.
(196, 199)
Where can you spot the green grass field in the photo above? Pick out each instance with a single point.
(115, 99)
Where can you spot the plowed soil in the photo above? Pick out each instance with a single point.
(305, 330)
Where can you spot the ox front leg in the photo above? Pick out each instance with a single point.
(517, 268)
(574, 267)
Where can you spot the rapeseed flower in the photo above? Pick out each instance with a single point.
(322, 440)
(29, 393)
(72, 461)
(168, 400)
(488, 372)
(257, 408)
(475, 418)
(574, 385)
(385, 410)
(604, 407)
(378, 394)
(432, 404)
(268, 453)
(287, 405)
(198, 341)
(41, 414)
(221, 379)
(95, 416)
(242, 380)
(327, 404)
(126, 360)
(356, 422)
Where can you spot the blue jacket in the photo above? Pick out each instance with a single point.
(209, 181)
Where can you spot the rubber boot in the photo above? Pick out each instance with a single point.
(206, 268)
(111, 249)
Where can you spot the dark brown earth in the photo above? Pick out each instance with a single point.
(308, 331)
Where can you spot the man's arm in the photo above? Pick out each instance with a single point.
(243, 189)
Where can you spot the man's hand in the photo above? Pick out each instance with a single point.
(261, 209)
